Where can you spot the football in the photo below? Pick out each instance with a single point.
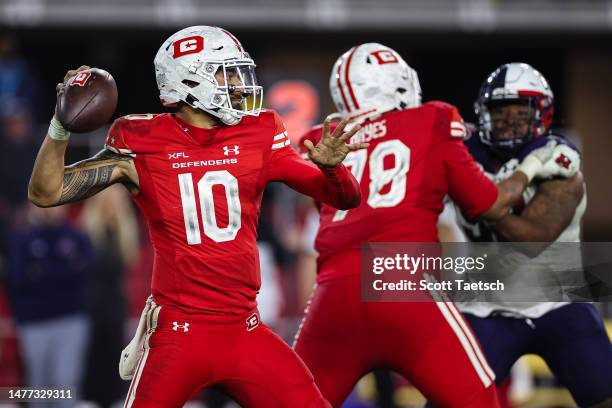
(88, 101)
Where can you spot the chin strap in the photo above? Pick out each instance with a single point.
(229, 119)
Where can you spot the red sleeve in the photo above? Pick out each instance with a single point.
(457, 126)
(468, 186)
(336, 187)
(115, 139)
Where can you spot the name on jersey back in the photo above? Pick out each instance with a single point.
(370, 131)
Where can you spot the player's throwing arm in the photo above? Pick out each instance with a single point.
(85, 101)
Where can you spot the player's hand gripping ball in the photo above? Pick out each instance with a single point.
(86, 99)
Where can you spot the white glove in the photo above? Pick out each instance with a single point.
(565, 162)
(551, 160)
(132, 353)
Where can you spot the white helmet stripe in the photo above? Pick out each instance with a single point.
(341, 88)
(347, 65)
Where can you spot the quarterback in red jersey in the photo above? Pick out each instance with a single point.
(198, 176)
(416, 157)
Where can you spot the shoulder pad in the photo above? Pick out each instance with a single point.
(137, 123)
(450, 123)
(440, 105)
(128, 134)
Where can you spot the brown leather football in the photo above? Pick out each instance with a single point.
(88, 101)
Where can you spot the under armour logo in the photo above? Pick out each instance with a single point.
(563, 161)
(184, 326)
(234, 150)
(252, 321)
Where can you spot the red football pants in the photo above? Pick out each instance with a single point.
(240, 356)
(341, 339)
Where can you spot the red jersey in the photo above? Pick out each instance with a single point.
(416, 156)
(200, 192)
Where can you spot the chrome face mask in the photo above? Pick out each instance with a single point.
(238, 90)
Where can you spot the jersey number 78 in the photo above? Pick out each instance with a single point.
(379, 176)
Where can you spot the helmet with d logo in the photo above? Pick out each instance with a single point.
(207, 68)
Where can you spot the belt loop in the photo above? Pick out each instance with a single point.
(155, 317)
(149, 320)
(152, 318)
(152, 315)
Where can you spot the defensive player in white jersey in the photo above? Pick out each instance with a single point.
(515, 110)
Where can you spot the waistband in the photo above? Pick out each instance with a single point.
(158, 315)
(341, 264)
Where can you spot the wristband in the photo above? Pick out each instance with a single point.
(56, 130)
(530, 166)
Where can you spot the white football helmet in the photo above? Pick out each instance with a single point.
(373, 78)
(510, 83)
(185, 68)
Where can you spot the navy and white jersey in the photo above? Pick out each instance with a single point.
(529, 271)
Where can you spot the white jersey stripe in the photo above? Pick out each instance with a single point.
(486, 380)
(457, 133)
(280, 136)
(470, 336)
(124, 152)
(127, 152)
(280, 145)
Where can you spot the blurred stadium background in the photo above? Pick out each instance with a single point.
(94, 290)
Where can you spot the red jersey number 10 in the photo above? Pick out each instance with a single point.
(207, 205)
